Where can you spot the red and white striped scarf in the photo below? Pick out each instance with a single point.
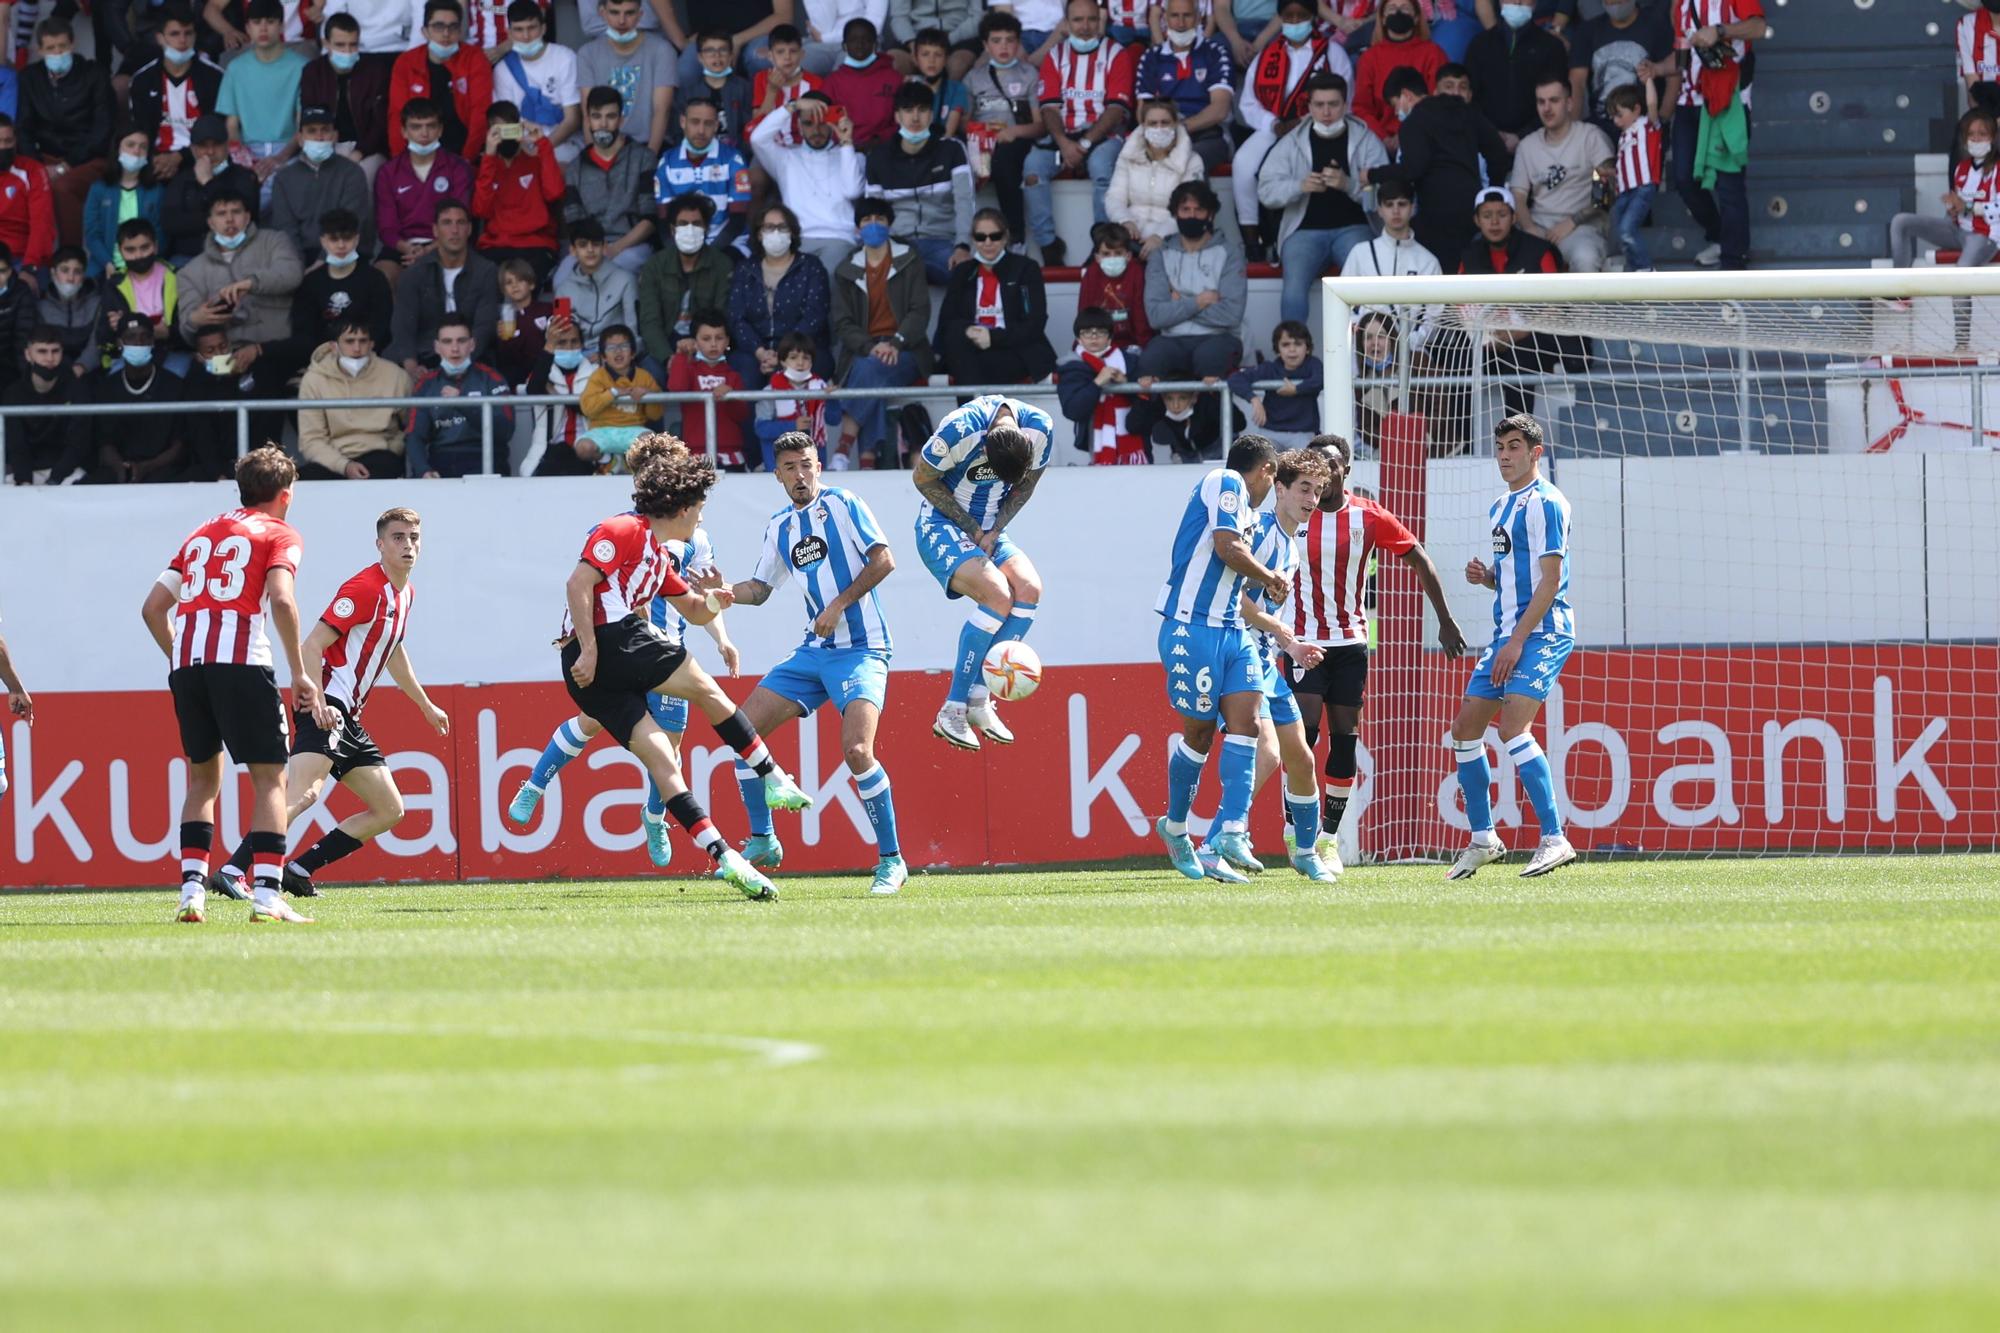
(1110, 440)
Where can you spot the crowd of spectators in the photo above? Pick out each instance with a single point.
(263, 201)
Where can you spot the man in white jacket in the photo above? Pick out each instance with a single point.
(1396, 253)
(812, 160)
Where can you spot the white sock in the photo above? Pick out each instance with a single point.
(978, 696)
(954, 707)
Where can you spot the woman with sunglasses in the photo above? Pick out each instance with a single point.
(993, 325)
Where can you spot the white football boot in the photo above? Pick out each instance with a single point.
(1478, 853)
(1552, 854)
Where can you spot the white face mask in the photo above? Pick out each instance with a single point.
(1978, 148)
(1329, 130)
(354, 365)
(1183, 40)
(797, 376)
(67, 289)
(1160, 136)
(1182, 415)
(1113, 266)
(689, 237)
(777, 244)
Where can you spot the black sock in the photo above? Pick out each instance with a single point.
(1340, 768)
(327, 850)
(739, 735)
(687, 812)
(267, 859)
(239, 860)
(196, 840)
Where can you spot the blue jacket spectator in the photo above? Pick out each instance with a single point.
(1197, 76)
(446, 439)
(1290, 419)
(105, 207)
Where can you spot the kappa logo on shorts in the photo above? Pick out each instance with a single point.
(604, 549)
(343, 607)
(807, 552)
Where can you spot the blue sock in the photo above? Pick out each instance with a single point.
(974, 641)
(880, 803)
(1019, 621)
(564, 746)
(1475, 780)
(1304, 812)
(656, 804)
(752, 786)
(1239, 781)
(1184, 764)
(1532, 766)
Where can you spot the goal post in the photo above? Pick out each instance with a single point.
(1785, 488)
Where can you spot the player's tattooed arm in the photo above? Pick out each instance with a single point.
(1017, 499)
(750, 592)
(1450, 637)
(931, 485)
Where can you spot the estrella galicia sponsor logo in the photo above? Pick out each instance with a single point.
(807, 552)
(1502, 543)
(984, 473)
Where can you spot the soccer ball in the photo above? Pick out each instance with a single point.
(1012, 671)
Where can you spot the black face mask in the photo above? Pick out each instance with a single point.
(140, 266)
(509, 147)
(1399, 24)
(6, 159)
(1192, 229)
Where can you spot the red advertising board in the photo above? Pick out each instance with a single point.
(1868, 746)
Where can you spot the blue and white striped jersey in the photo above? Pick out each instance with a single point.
(1202, 590)
(958, 451)
(826, 544)
(692, 559)
(1279, 551)
(1528, 524)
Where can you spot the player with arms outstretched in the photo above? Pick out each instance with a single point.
(1534, 632)
(975, 475)
(1210, 657)
(693, 560)
(359, 636)
(208, 612)
(828, 539)
(1337, 543)
(613, 656)
(19, 702)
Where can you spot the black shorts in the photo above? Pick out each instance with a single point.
(348, 744)
(1338, 679)
(633, 659)
(230, 704)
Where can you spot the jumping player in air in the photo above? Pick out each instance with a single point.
(1210, 658)
(828, 539)
(692, 559)
(613, 656)
(1281, 736)
(359, 636)
(1534, 632)
(19, 702)
(208, 612)
(1337, 543)
(975, 475)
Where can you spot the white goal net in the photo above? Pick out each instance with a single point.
(1784, 564)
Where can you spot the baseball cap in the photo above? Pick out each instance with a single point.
(315, 115)
(209, 128)
(1492, 194)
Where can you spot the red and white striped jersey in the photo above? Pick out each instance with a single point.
(635, 566)
(1978, 48)
(369, 617)
(1639, 154)
(1980, 188)
(1327, 587)
(219, 575)
(1690, 16)
(1082, 83)
(1126, 14)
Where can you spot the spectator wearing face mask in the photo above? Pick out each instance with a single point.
(318, 181)
(355, 443)
(138, 447)
(611, 183)
(810, 154)
(72, 304)
(1196, 290)
(1154, 163)
(1971, 205)
(1197, 75)
(1446, 149)
(1275, 101)
(1402, 41)
(865, 83)
(355, 87)
(171, 91)
(205, 172)
(927, 180)
(1315, 177)
(1506, 62)
(1114, 281)
(50, 445)
(688, 274)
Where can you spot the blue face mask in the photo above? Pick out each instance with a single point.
(1517, 16)
(569, 358)
(1296, 33)
(529, 50)
(317, 150)
(874, 234)
(852, 63)
(1005, 64)
(455, 367)
(342, 261)
(1081, 47)
(60, 64)
(142, 355)
(344, 61)
(423, 149)
(177, 57)
(913, 136)
(442, 53)
(231, 242)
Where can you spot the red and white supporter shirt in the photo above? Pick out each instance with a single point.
(219, 574)
(1980, 188)
(1334, 550)
(635, 566)
(1706, 85)
(1083, 83)
(1978, 49)
(369, 616)
(1640, 147)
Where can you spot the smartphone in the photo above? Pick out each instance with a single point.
(510, 131)
(562, 309)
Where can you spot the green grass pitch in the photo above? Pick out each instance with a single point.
(1738, 1095)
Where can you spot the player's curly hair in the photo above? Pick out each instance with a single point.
(1008, 453)
(651, 449)
(1307, 463)
(262, 475)
(672, 485)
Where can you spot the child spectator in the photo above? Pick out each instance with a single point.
(524, 321)
(866, 84)
(930, 51)
(787, 78)
(72, 304)
(1103, 420)
(1289, 414)
(1639, 157)
(519, 192)
(599, 294)
(795, 375)
(611, 408)
(340, 289)
(564, 369)
(722, 85)
(1187, 425)
(1114, 281)
(707, 370)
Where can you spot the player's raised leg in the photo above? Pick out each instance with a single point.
(650, 747)
(737, 731)
(565, 744)
(767, 711)
(1024, 589)
(985, 588)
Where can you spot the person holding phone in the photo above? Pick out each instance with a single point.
(519, 192)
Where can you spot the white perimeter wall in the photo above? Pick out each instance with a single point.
(1732, 550)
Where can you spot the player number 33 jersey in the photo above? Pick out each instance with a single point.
(219, 575)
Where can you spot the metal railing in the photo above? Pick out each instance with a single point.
(243, 410)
